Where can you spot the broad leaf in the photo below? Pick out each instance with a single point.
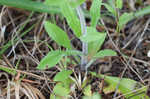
(104, 53)
(94, 96)
(92, 35)
(87, 91)
(94, 46)
(124, 18)
(95, 40)
(95, 12)
(119, 4)
(71, 18)
(61, 91)
(131, 88)
(126, 86)
(62, 75)
(57, 34)
(51, 59)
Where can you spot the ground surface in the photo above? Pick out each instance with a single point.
(26, 51)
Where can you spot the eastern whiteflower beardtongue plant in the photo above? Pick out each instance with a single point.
(91, 39)
(91, 43)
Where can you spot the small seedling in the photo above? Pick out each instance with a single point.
(93, 38)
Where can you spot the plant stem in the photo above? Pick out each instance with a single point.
(84, 59)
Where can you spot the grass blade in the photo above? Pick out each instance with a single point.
(30, 5)
(95, 12)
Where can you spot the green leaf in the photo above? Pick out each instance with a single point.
(60, 90)
(72, 18)
(30, 5)
(110, 9)
(73, 52)
(63, 75)
(125, 86)
(8, 70)
(73, 3)
(57, 34)
(51, 59)
(53, 2)
(40, 7)
(119, 4)
(52, 96)
(76, 3)
(124, 18)
(95, 40)
(111, 3)
(94, 96)
(142, 12)
(87, 91)
(106, 52)
(94, 46)
(92, 35)
(95, 12)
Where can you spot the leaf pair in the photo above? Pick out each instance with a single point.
(95, 40)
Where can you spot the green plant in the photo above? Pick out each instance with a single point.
(62, 88)
(45, 8)
(93, 38)
(113, 6)
(129, 88)
(89, 95)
